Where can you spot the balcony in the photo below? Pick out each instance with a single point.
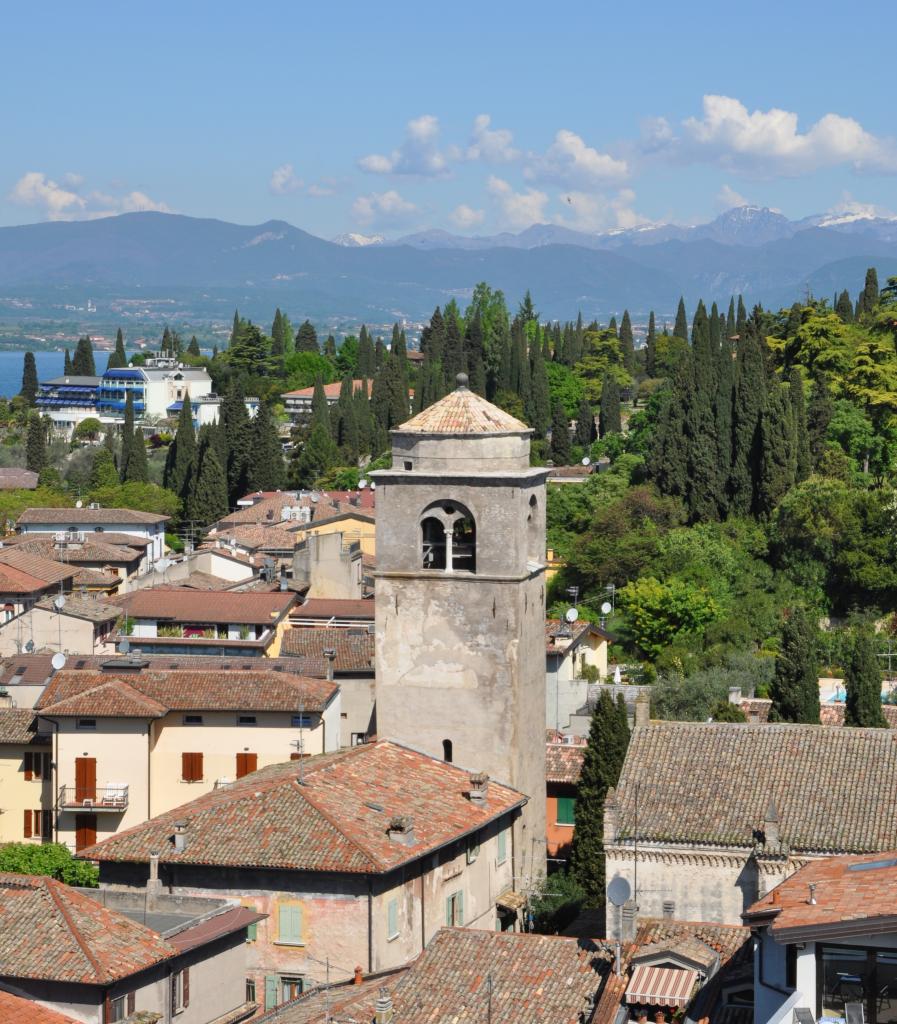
(111, 798)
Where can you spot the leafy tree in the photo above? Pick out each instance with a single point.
(50, 860)
(29, 379)
(307, 338)
(658, 613)
(609, 418)
(142, 497)
(819, 415)
(36, 444)
(726, 711)
(862, 681)
(250, 352)
(560, 437)
(88, 430)
(795, 687)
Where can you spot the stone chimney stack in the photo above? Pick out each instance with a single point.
(771, 828)
(180, 836)
(479, 787)
(330, 655)
(383, 1009)
(734, 694)
(153, 884)
(401, 829)
(642, 708)
(611, 817)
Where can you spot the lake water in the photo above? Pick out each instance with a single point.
(49, 364)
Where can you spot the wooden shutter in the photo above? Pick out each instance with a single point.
(460, 913)
(36, 819)
(186, 973)
(85, 831)
(270, 991)
(85, 779)
(29, 765)
(27, 826)
(47, 825)
(502, 846)
(131, 1003)
(246, 763)
(191, 767)
(289, 923)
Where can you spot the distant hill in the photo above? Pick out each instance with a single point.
(213, 266)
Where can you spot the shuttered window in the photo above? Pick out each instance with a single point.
(27, 826)
(191, 767)
(246, 763)
(566, 810)
(36, 764)
(502, 846)
(454, 910)
(289, 924)
(271, 987)
(47, 826)
(392, 919)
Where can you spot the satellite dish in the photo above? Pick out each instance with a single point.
(362, 484)
(59, 603)
(586, 461)
(79, 503)
(163, 564)
(373, 485)
(124, 647)
(29, 646)
(618, 891)
(58, 661)
(607, 608)
(571, 614)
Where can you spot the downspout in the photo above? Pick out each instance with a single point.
(55, 777)
(149, 769)
(423, 915)
(370, 925)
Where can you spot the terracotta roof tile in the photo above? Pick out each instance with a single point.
(833, 714)
(45, 569)
(12, 478)
(15, 1010)
(87, 516)
(334, 608)
(90, 551)
(354, 650)
(180, 605)
(14, 581)
(17, 725)
(259, 537)
(152, 693)
(463, 412)
(563, 762)
(712, 783)
(50, 931)
(334, 820)
(83, 608)
(556, 640)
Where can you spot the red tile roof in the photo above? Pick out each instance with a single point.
(15, 1010)
(50, 931)
(833, 714)
(17, 725)
(335, 608)
(258, 537)
(331, 390)
(354, 649)
(14, 581)
(152, 693)
(463, 412)
(13, 478)
(563, 762)
(173, 604)
(557, 642)
(335, 819)
(91, 551)
(88, 516)
(45, 569)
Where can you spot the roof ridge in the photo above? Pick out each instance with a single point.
(372, 860)
(139, 695)
(51, 884)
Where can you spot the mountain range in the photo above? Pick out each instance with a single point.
(207, 267)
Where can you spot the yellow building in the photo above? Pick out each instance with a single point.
(26, 793)
(355, 524)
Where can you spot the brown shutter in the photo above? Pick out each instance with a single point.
(85, 831)
(27, 832)
(29, 765)
(197, 767)
(131, 1002)
(186, 767)
(42, 766)
(85, 779)
(174, 994)
(47, 826)
(107, 1008)
(36, 818)
(186, 986)
(246, 763)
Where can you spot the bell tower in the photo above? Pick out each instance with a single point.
(460, 599)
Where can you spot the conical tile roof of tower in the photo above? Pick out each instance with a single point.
(462, 412)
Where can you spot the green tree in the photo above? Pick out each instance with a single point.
(627, 345)
(318, 455)
(559, 452)
(180, 465)
(657, 613)
(651, 347)
(117, 357)
(795, 686)
(307, 338)
(250, 353)
(237, 435)
(538, 399)
(366, 361)
(83, 363)
(820, 410)
(586, 432)
(29, 379)
(844, 307)
(193, 347)
(869, 296)
(680, 329)
(208, 500)
(50, 860)
(726, 711)
(266, 470)
(102, 471)
(137, 470)
(778, 461)
(609, 418)
(750, 400)
(67, 364)
(127, 437)
(35, 444)
(862, 681)
(88, 430)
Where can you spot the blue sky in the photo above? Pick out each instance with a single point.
(474, 117)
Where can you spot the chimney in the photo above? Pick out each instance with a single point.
(479, 787)
(771, 828)
(401, 829)
(642, 707)
(153, 884)
(611, 817)
(359, 977)
(330, 655)
(734, 694)
(383, 1011)
(180, 836)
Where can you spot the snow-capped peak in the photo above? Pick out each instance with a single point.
(354, 240)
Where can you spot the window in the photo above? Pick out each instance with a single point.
(392, 919)
(447, 751)
(433, 540)
(250, 990)
(473, 850)
(566, 810)
(408, 465)
(118, 1009)
(245, 719)
(852, 975)
(291, 988)
(246, 763)
(301, 721)
(252, 931)
(448, 538)
(534, 538)
(36, 765)
(791, 966)
(192, 719)
(180, 990)
(358, 738)
(289, 924)
(454, 910)
(191, 767)
(86, 724)
(502, 843)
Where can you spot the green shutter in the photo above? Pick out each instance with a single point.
(502, 846)
(289, 924)
(566, 810)
(460, 908)
(448, 911)
(392, 918)
(252, 932)
(270, 991)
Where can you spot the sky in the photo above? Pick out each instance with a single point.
(473, 117)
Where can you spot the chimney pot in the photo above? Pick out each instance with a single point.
(383, 1010)
(180, 836)
(359, 977)
(642, 708)
(401, 829)
(479, 786)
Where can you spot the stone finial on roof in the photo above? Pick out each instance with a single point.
(462, 380)
(772, 815)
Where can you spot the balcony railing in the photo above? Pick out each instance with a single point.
(112, 798)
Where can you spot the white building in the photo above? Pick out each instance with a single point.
(155, 386)
(68, 401)
(94, 519)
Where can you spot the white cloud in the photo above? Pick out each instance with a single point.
(284, 180)
(491, 145)
(590, 211)
(417, 155)
(727, 198)
(382, 208)
(36, 189)
(466, 217)
(319, 190)
(569, 161)
(768, 143)
(517, 209)
(848, 206)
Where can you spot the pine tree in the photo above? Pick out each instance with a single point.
(680, 330)
(127, 437)
(750, 399)
(29, 379)
(862, 681)
(67, 364)
(83, 364)
(237, 438)
(138, 467)
(627, 345)
(803, 464)
(668, 456)
(193, 347)
(307, 338)
(235, 329)
(585, 425)
(819, 415)
(723, 404)
(703, 494)
(609, 417)
(35, 444)
(651, 347)
(869, 295)
(180, 465)
(795, 686)
(266, 470)
(208, 499)
(560, 436)
(777, 450)
(117, 357)
(741, 319)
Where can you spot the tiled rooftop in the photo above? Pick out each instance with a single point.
(335, 819)
(463, 412)
(15, 1010)
(17, 725)
(12, 478)
(88, 516)
(83, 608)
(563, 762)
(711, 783)
(45, 569)
(563, 636)
(354, 649)
(180, 605)
(258, 538)
(334, 608)
(50, 931)
(154, 693)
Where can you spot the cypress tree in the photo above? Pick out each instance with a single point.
(102, 469)
(35, 444)
(366, 363)
(869, 295)
(379, 354)
(67, 364)
(560, 436)
(844, 307)
(180, 465)
(277, 345)
(474, 355)
(703, 494)
(127, 437)
(609, 418)
(307, 338)
(795, 318)
(819, 415)
(330, 347)
(750, 398)
(651, 347)
(627, 345)
(237, 439)
(538, 407)
(777, 450)
(209, 500)
(730, 319)
(83, 363)
(680, 330)
(453, 355)
(289, 342)
(320, 410)
(167, 345)
(117, 357)
(345, 432)
(668, 457)
(612, 327)
(862, 681)
(138, 467)
(193, 347)
(741, 318)
(235, 329)
(318, 455)
(803, 464)
(585, 424)
(724, 401)
(29, 379)
(795, 685)
(266, 470)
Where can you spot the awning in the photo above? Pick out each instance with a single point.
(511, 900)
(663, 986)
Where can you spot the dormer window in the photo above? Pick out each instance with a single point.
(448, 538)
